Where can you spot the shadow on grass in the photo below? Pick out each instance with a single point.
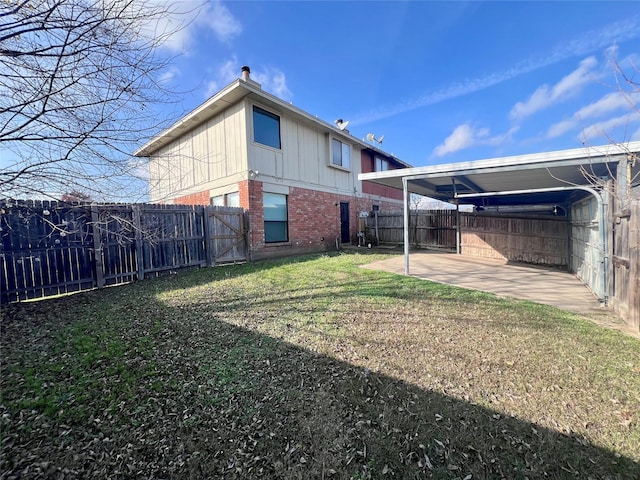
(184, 394)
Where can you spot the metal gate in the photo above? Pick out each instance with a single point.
(226, 232)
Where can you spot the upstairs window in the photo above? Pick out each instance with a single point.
(381, 164)
(340, 153)
(266, 128)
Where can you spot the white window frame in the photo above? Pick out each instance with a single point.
(233, 195)
(253, 126)
(223, 200)
(381, 164)
(284, 222)
(345, 147)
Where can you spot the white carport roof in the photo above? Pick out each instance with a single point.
(546, 178)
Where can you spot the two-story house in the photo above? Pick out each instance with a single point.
(295, 174)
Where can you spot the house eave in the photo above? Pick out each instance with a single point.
(235, 92)
(212, 106)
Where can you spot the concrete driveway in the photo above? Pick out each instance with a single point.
(537, 284)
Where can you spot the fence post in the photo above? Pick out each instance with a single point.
(246, 227)
(377, 231)
(207, 235)
(634, 271)
(97, 246)
(136, 213)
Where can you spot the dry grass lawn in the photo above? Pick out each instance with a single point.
(312, 368)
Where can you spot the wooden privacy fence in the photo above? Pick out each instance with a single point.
(534, 239)
(625, 260)
(427, 228)
(50, 248)
(521, 238)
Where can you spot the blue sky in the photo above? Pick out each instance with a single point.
(442, 81)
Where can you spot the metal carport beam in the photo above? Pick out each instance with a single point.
(603, 293)
(468, 183)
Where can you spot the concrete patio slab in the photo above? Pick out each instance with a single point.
(537, 284)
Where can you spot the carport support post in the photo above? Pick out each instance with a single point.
(405, 197)
(455, 194)
(458, 230)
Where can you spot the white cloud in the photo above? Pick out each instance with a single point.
(271, 79)
(562, 127)
(589, 42)
(467, 136)
(608, 103)
(178, 26)
(220, 20)
(604, 106)
(605, 129)
(463, 136)
(546, 95)
(224, 74)
(169, 74)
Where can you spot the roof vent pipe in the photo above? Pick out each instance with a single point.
(246, 72)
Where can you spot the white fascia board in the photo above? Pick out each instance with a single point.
(191, 119)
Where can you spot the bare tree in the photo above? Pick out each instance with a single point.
(78, 83)
(76, 196)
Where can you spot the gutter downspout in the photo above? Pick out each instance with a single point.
(603, 294)
(405, 197)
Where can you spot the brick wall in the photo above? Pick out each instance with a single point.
(251, 192)
(314, 217)
(200, 198)
(314, 220)
(244, 191)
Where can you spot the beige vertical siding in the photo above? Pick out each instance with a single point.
(216, 155)
(303, 159)
(202, 158)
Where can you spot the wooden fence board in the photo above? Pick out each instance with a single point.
(625, 261)
(49, 248)
(45, 250)
(529, 239)
(427, 228)
(226, 233)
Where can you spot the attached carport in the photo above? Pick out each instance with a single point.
(551, 183)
